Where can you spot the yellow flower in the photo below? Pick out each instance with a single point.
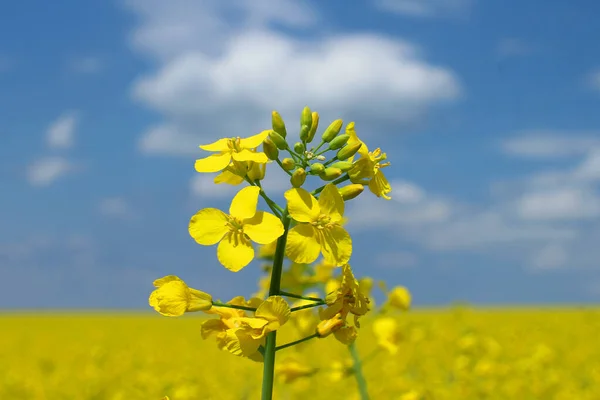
(347, 298)
(326, 327)
(267, 251)
(387, 334)
(319, 229)
(229, 149)
(242, 335)
(173, 297)
(367, 170)
(289, 370)
(234, 232)
(235, 173)
(399, 297)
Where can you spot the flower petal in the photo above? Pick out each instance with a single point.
(275, 308)
(253, 142)
(346, 335)
(332, 203)
(165, 279)
(247, 155)
(213, 163)
(363, 150)
(208, 226)
(229, 177)
(235, 252)
(380, 186)
(238, 342)
(219, 145)
(336, 245)
(244, 203)
(302, 245)
(302, 206)
(211, 326)
(263, 228)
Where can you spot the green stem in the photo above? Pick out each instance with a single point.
(272, 205)
(297, 296)
(318, 147)
(357, 369)
(338, 180)
(334, 159)
(274, 290)
(218, 304)
(306, 306)
(278, 161)
(296, 342)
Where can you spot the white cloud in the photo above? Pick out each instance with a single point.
(548, 144)
(61, 133)
(46, 171)
(559, 203)
(551, 256)
(425, 8)
(116, 207)
(87, 65)
(229, 84)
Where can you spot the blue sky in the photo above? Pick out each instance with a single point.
(488, 111)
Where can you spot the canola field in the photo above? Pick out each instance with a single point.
(458, 353)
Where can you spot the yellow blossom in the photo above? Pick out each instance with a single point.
(387, 334)
(290, 370)
(326, 327)
(235, 173)
(399, 297)
(228, 149)
(367, 169)
(233, 232)
(319, 227)
(347, 298)
(173, 297)
(242, 335)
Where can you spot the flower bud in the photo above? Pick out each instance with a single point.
(326, 327)
(330, 174)
(299, 147)
(348, 151)
(304, 131)
(278, 125)
(271, 150)
(256, 171)
(306, 117)
(317, 168)
(288, 164)
(278, 140)
(298, 177)
(399, 297)
(332, 130)
(351, 191)
(345, 166)
(339, 142)
(313, 127)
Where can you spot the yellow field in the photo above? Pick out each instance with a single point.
(454, 354)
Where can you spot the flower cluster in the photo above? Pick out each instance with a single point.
(309, 225)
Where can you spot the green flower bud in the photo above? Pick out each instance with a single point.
(348, 151)
(330, 174)
(306, 117)
(351, 191)
(304, 131)
(317, 168)
(278, 125)
(298, 177)
(313, 127)
(288, 164)
(278, 140)
(332, 130)
(270, 149)
(339, 142)
(299, 147)
(345, 166)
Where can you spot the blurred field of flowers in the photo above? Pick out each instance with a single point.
(460, 353)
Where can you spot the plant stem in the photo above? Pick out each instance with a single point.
(357, 368)
(274, 290)
(272, 205)
(338, 180)
(306, 306)
(218, 304)
(296, 342)
(297, 296)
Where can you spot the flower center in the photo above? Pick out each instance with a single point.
(322, 222)
(235, 144)
(235, 225)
